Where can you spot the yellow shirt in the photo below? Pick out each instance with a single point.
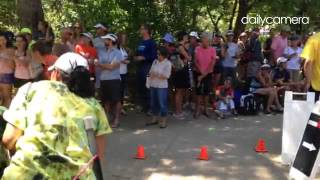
(54, 144)
(311, 52)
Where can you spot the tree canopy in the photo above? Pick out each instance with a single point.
(163, 15)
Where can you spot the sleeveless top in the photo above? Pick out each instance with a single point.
(22, 66)
(6, 63)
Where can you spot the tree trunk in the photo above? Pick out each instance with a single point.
(194, 17)
(242, 12)
(233, 14)
(30, 12)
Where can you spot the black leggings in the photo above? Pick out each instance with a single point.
(123, 85)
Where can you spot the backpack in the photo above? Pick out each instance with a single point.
(248, 105)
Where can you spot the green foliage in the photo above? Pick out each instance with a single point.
(8, 16)
(164, 15)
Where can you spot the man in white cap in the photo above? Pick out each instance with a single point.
(98, 42)
(281, 74)
(110, 79)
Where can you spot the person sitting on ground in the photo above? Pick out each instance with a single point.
(225, 96)
(262, 84)
(158, 81)
(281, 77)
(46, 124)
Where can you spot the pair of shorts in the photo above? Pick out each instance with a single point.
(181, 79)
(110, 90)
(6, 78)
(218, 68)
(203, 88)
(20, 82)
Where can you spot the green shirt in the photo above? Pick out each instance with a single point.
(54, 144)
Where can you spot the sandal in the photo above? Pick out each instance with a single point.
(163, 124)
(219, 114)
(115, 125)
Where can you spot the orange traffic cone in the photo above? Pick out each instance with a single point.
(204, 153)
(140, 152)
(261, 146)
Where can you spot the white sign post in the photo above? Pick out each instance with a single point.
(297, 109)
(307, 158)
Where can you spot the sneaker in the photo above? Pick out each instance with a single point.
(219, 114)
(178, 116)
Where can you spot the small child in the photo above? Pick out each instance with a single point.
(225, 95)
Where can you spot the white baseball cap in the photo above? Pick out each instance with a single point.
(68, 62)
(88, 35)
(281, 60)
(99, 25)
(194, 34)
(110, 36)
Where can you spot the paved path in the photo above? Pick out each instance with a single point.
(172, 151)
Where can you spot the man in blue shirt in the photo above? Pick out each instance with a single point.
(146, 54)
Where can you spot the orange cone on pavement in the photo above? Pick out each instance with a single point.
(140, 153)
(204, 153)
(261, 146)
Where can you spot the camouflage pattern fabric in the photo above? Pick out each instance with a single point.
(54, 144)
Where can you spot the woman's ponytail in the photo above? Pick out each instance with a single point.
(79, 82)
